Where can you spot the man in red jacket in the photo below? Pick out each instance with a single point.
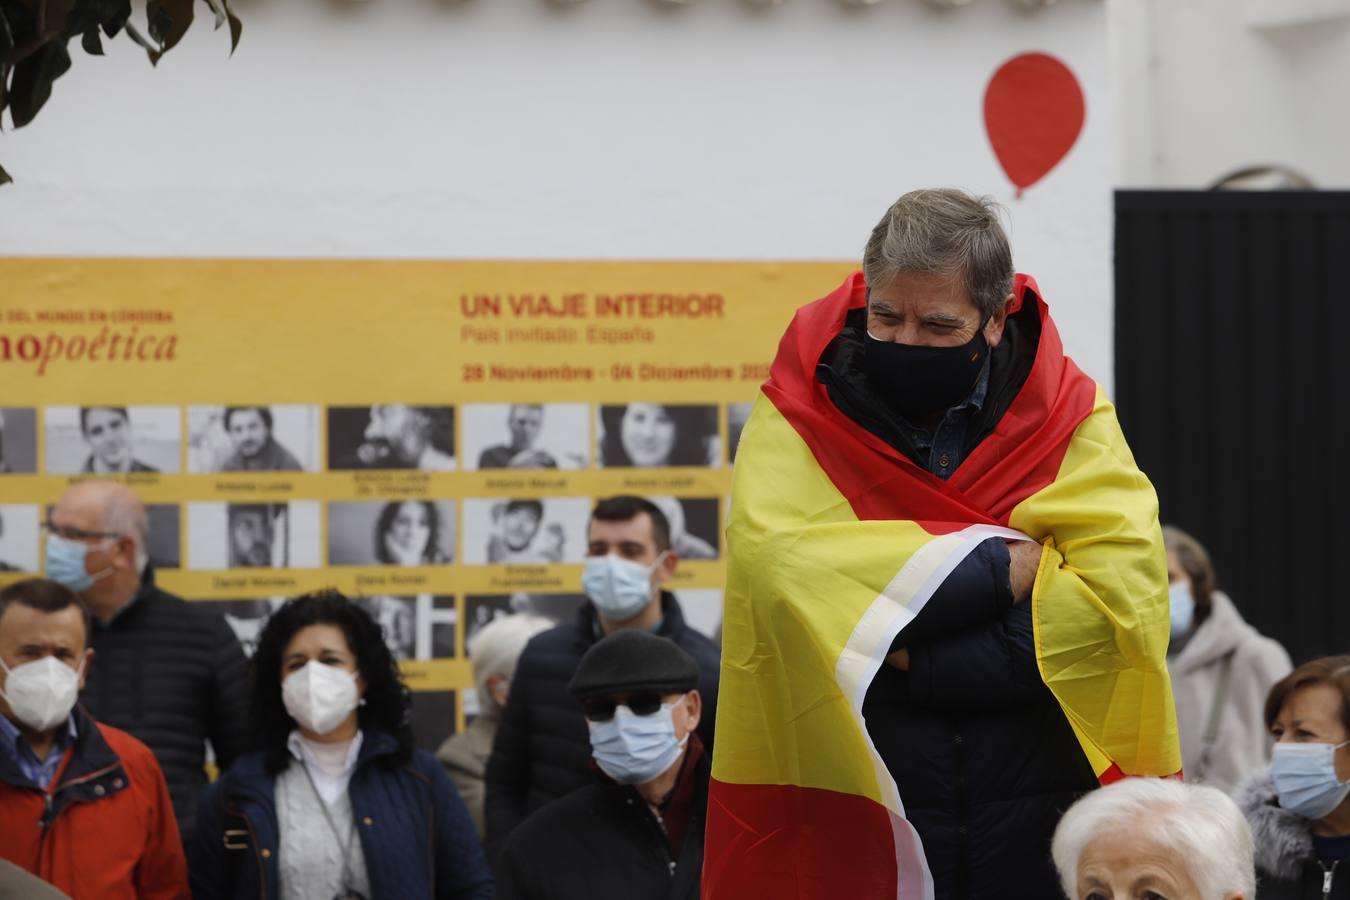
(82, 805)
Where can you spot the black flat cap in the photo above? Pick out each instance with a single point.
(631, 660)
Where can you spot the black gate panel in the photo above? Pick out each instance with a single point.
(1232, 337)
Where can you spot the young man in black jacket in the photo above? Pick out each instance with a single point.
(636, 833)
(541, 751)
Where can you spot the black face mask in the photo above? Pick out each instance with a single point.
(923, 381)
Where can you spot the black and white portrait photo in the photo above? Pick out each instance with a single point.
(522, 531)
(18, 537)
(246, 618)
(693, 525)
(702, 608)
(737, 415)
(393, 533)
(18, 440)
(391, 436)
(163, 545)
(526, 436)
(112, 440)
(253, 438)
(415, 627)
(654, 436)
(253, 535)
(481, 609)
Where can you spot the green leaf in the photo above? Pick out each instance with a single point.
(4, 176)
(31, 85)
(55, 13)
(169, 21)
(218, 8)
(6, 37)
(117, 16)
(150, 49)
(91, 43)
(236, 29)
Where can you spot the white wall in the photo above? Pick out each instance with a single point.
(1205, 87)
(513, 128)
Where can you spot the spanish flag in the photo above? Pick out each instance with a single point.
(835, 543)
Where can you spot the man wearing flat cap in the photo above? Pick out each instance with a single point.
(636, 833)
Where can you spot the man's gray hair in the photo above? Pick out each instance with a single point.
(943, 231)
(125, 515)
(495, 649)
(1200, 824)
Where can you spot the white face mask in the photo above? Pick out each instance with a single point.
(319, 697)
(41, 693)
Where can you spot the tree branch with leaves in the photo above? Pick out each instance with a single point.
(35, 34)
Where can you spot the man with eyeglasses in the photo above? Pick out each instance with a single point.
(635, 833)
(169, 672)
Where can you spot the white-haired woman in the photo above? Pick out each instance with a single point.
(1150, 839)
(493, 652)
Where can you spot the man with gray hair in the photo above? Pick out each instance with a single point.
(1147, 837)
(169, 672)
(944, 570)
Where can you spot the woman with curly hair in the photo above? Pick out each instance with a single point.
(651, 435)
(335, 802)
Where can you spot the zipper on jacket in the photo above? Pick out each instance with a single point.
(1327, 876)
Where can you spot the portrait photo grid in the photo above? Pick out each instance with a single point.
(299, 526)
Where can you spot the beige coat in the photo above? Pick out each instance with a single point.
(1242, 744)
(465, 757)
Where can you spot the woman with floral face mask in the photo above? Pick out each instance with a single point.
(1299, 810)
(336, 803)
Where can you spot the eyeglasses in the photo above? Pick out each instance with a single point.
(71, 533)
(601, 709)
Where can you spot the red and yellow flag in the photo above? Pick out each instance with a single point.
(835, 543)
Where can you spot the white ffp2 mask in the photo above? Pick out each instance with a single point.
(319, 697)
(41, 693)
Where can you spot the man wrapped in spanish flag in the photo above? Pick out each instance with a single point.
(947, 608)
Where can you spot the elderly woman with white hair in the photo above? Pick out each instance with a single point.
(493, 652)
(1151, 839)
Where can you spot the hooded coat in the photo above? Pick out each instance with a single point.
(1242, 743)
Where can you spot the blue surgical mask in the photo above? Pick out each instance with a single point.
(1305, 778)
(1183, 607)
(65, 563)
(635, 749)
(619, 588)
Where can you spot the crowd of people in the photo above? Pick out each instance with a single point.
(587, 772)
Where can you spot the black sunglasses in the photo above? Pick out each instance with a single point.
(601, 709)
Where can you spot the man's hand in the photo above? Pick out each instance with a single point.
(900, 659)
(1025, 559)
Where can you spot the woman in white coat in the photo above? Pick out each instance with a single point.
(1222, 669)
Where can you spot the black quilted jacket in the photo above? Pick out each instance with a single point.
(173, 675)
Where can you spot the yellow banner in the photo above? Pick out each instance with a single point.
(428, 436)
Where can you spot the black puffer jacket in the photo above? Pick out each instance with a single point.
(984, 759)
(602, 842)
(543, 749)
(172, 674)
(1286, 867)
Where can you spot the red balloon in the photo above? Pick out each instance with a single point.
(1033, 112)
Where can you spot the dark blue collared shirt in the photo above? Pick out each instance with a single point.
(944, 445)
(14, 746)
